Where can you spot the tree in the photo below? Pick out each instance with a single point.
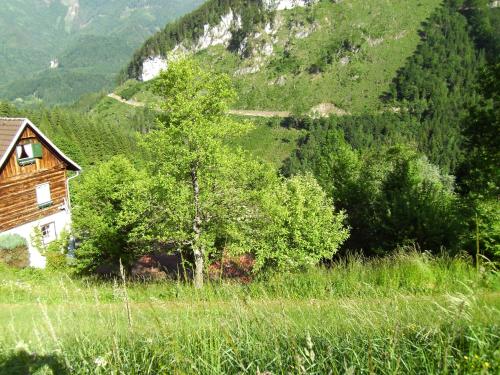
(417, 203)
(209, 197)
(299, 227)
(196, 192)
(190, 163)
(479, 175)
(98, 204)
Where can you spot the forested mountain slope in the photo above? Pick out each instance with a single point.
(85, 41)
(428, 171)
(333, 57)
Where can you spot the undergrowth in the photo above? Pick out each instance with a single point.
(409, 313)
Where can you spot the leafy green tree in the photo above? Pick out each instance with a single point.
(98, 203)
(479, 175)
(299, 227)
(417, 203)
(206, 196)
(196, 192)
(189, 160)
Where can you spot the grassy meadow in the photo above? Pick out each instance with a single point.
(408, 313)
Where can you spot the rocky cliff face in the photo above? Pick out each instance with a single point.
(286, 4)
(72, 14)
(152, 66)
(221, 34)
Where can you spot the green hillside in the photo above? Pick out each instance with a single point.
(268, 140)
(91, 40)
(376, 36)
(341, 55)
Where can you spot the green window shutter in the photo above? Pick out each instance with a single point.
(37, 150)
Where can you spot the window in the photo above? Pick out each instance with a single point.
(43, 195)
(26, 154)
(48, 232)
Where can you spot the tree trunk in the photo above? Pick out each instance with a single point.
(198, 268)
(197, 247)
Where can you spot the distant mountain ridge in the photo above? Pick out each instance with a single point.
(45, 42)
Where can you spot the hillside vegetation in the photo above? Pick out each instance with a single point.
(407, 314)
(341, 54)
(91, 40)
(446, 108)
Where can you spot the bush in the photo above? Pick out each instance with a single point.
(56, 261)
(11, 241)
(56, 252)
(99, 197)
(14, 251)
(301, 226)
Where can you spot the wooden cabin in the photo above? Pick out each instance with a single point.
(34, 190)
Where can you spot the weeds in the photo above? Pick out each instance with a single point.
(409, 313)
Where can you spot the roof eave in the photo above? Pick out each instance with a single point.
(71, 164)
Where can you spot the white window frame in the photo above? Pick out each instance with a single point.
(43, 197)
(51, 234)
(30, 154)
(28, 148)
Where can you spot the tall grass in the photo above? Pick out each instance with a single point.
(404, 314)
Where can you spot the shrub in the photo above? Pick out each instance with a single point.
(11, 241)
(100, 196)
(56, 252)
(56, 261)
(300, 228)
(14, 251)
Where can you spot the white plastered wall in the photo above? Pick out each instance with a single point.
(62, 221)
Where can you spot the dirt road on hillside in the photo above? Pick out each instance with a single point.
(133, 103)
(237, 112)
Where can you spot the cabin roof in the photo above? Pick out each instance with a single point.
(10, 131)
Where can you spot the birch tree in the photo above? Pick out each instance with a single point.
(199, 181)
